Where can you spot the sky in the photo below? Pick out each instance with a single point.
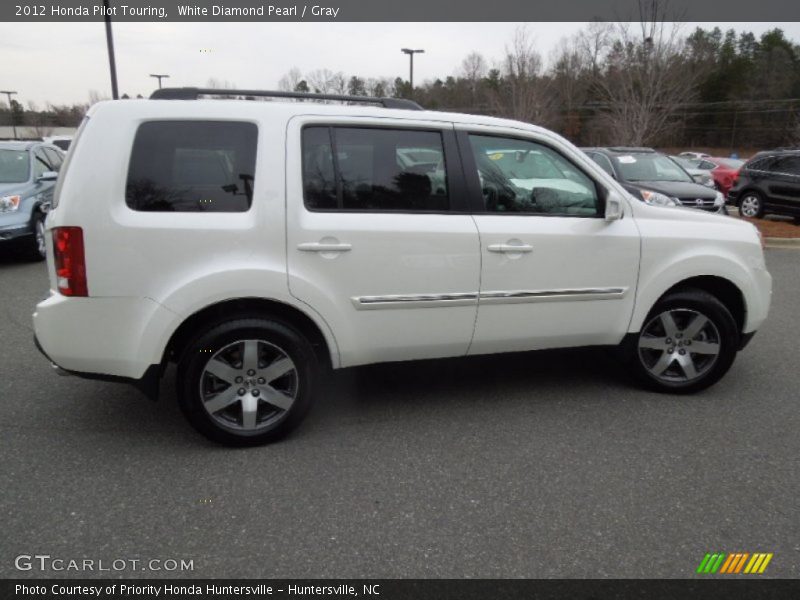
(61, 63)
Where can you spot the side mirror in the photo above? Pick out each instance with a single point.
(48, 176)
(614, 210)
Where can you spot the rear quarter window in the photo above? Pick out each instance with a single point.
(192, 166)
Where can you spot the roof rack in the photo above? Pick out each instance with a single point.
(193, 93)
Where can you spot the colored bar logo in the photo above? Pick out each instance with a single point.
(734, 563)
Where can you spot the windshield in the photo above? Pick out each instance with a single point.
(14, 166)
(650, 167)
(731, 163)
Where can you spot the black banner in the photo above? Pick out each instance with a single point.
(411, 589)
(776, 11)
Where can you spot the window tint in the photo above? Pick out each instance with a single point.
(526, 177)
(40, 163)
(63, 144)
(373, 169)
(192, 166)
(762, 163)
(54, 157)
(788, 164)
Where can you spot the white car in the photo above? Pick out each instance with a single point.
(256, 244)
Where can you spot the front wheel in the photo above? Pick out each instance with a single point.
(688, 342)
(247, 382)
(37, 245)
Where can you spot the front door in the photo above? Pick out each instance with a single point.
(554, 271)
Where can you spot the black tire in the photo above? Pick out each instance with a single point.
(227, 340)
(35, 244)
(757, 202)
(683, 306)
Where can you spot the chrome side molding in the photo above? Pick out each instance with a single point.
(493, 297)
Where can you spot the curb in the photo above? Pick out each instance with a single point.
(773, 242)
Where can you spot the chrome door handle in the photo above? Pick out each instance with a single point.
(510, 248)
(323, 247)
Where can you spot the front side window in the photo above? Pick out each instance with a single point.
(192, 166)
(604, 163)
(372, 169)
(41, 163)
(520, 176)
(55, 158)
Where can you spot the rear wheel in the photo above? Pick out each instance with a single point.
(248, 381)
(751, 205)
(688, 342)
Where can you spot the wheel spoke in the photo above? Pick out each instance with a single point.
(222, 371)
(250, 355)
(663, 363)
(695, 327)
(670, 328)
(276, 398)
(222, 400)
(249, 411)
(687, 364)
(277, 369)
(652, 343)
(704, 348)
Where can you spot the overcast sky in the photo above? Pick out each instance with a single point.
(62, 62)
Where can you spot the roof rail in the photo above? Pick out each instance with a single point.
(193, 93)
(637, 149)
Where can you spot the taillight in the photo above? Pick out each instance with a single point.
(70, 261)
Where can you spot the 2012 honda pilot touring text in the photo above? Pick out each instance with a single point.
(258, 243)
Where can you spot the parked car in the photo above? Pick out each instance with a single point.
(256, 244)
(700, 176)
(28, 171)
(61, 141)
(655, 178)
(694, 154)
(769, 183)
(724, 171)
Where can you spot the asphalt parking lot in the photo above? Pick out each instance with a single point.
(532, 465)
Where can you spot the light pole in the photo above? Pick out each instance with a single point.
(112, 63)
(11, 109)
(411, 54)
(159, 77)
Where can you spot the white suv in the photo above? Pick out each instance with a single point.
(257, 243)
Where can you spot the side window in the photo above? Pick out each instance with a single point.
(760, 164)
(789, 165)
(521, 176)
(41, 164)
(55, 158)
(604, 163)
(371, 169)
(192, 166)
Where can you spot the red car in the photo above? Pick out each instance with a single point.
(725, 171)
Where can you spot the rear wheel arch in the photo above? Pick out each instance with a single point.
(228, 310)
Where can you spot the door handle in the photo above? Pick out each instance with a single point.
(323, 247)
(509, 248)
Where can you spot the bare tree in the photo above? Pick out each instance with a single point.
(38, 122)
(523, 93)
(645, 80)
(290, 81)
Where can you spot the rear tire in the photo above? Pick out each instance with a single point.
(751, 205)
(687, 343)
(248, 381)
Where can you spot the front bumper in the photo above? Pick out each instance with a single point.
(15, 231)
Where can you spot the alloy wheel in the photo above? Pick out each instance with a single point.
(679, 346)
(41, 244)
(249, 385)
(750, 206)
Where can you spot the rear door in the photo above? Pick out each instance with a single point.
(380, 240)
(784, 183)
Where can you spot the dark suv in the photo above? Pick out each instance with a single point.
(769, 183)
(655, 178)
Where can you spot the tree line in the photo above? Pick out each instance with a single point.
(646, 83)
